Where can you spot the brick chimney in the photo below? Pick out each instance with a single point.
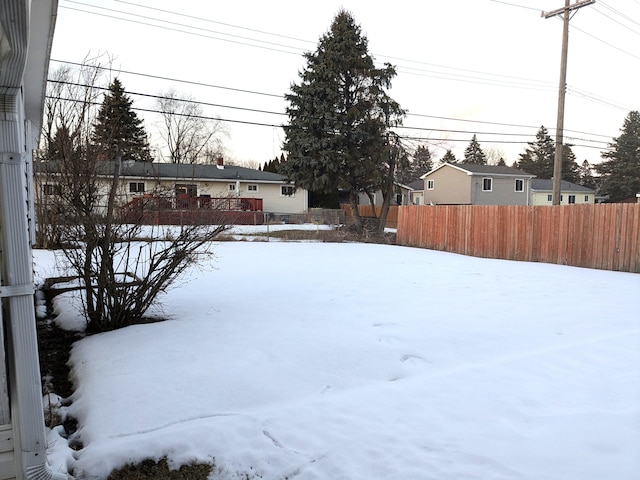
(220, 162)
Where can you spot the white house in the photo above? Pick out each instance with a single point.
(26, 33)
(570, 193)
(199, 186)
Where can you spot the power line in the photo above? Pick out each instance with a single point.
(138, 22)
(205, 117)
(515, 5)
(597, 10)
(620, 14)
(480, 80)
(499, 80)
(159, 77)
(214, 21)
(282, 113)
(605, 42)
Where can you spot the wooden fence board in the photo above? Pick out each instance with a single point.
(593, 236)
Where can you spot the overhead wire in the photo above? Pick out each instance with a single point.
(535, 84)
(206, 117)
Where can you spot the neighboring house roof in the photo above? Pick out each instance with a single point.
(416, 185)
(179, 171)
(545, 185)
(473, 169)
(199, 172)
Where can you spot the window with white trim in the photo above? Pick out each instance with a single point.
(431, 184)
(519, 185)
(51, 189)
(487, 184)
(586, 199)
(232, 187)
(136, 187)
(252, 188)
(572, 199)
(287, 191)
(549, 198)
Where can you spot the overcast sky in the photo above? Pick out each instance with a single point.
(469, 66)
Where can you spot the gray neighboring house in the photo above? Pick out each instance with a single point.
(570, 193)
(26, 34)
(470, 184)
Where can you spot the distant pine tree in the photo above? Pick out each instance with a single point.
(419, 164)
(620, 170)
(118, 128)
(474, 154)
(449, 157)
(586, 175)
(538, 157)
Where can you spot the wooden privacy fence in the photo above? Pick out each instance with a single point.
(604, 236)
(367, 211)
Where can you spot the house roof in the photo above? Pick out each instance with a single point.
(545, 185)
(199, 172)
(473, 169)
(178, 171)
(416, 185)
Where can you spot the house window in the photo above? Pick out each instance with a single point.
(519, 185)
(232, 187)
(549, 198)
(51, 189)
(586, 199)
(136, 187)
(287, 191)
(430, 184)
(487, 184)
(252, 188)
(186, 190)
(572, 199)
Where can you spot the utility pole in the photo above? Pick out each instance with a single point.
(557, 161)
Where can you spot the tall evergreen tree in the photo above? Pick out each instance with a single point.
(586, 175)
(419, 164)
(570, 168)
(538, 157)
(422, 162)
(339, 117)
(449, 157)
(474, 154)
(118, 128)
(620, 170)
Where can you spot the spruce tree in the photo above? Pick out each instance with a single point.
(339, 116)
(620, 170)
(449, 157)
(419, 164)
(474, 154)
(538, 157)
(586, 175)
(118, 128)
(570, 168)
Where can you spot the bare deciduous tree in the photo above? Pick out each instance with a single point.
(119, 274)
(188, 135)
(494, 155)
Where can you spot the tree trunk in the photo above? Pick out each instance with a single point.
(355, 213)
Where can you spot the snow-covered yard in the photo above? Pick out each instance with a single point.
(355, 361)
